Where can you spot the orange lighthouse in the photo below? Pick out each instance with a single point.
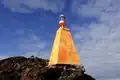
(63, 51)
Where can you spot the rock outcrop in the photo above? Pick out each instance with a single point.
(21, 68)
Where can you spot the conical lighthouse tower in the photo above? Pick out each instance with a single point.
(63, 51)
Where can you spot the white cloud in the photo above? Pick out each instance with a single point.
(27, 6)
(3, 57)
(94, 8)
(33, 45)
(41, 54)
(99, 43)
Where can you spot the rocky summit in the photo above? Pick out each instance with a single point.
(33, 68)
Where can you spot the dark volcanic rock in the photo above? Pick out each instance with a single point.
(21, 68)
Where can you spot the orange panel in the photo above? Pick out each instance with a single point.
(62, 56)
(63, 51)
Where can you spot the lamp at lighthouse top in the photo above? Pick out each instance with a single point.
(62, 21)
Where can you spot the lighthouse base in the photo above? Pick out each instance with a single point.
(72, 67)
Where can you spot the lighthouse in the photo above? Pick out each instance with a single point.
(62, 21)
(63, 50)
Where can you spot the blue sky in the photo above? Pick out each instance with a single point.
(20, 21)
(28, 27)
